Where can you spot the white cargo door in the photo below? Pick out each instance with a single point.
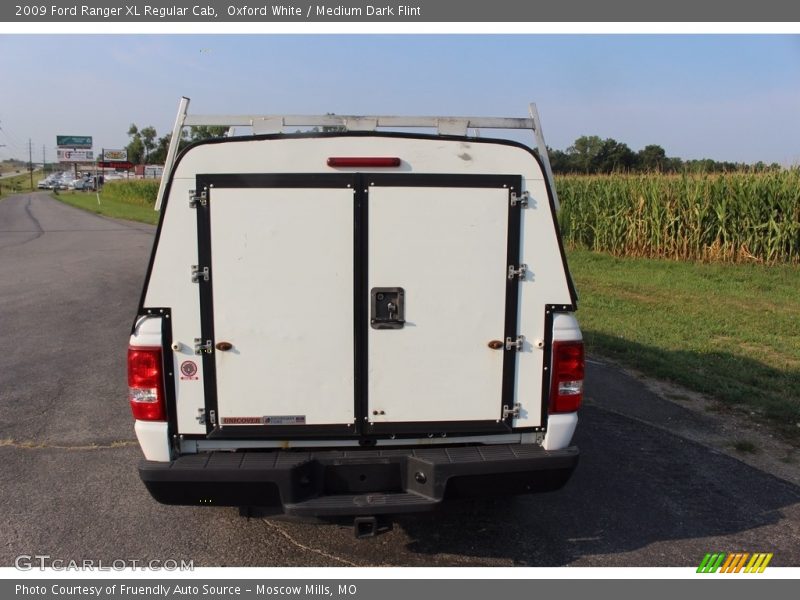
(442, 253)
(282, 294)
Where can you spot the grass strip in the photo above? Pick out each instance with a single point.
(726, 330)
(18, 184)
(110, 205)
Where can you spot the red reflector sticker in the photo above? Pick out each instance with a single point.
(364, 161)
(189, 370)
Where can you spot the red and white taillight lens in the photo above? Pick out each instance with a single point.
(566, 383)
(146, 383)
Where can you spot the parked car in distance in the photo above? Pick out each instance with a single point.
(82, 184)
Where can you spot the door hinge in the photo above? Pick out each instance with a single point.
(522, 200)
(517, 344)
(512, 412)
(198, 272)
(200, 346)
(201, 416)
(519, 272)
(212, 417)
(194, 199)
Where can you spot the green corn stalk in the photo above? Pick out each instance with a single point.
(742, 216)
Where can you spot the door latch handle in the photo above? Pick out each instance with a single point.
(387, 308)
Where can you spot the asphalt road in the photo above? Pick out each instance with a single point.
(69, 285)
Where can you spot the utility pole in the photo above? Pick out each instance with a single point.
(30, 160)
(44, 161)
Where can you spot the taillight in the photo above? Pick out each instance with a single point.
(145, 383)
(566, 383)
(364, 161)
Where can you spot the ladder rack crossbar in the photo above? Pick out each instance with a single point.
(344, 120)
(276, 123)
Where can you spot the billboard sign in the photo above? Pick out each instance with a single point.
(74, 141)
(118, 155)
(65, 155)
(114, 164)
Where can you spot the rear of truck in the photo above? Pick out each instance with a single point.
(355, 324)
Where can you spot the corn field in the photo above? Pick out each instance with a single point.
(733, 217)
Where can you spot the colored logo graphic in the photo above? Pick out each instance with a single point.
(188, 370)
(735, 563)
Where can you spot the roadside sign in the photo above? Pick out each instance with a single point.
(114, 164)
(115, 155)
(65, 155)
(74, 141)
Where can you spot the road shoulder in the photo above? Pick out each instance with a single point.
(694, 416)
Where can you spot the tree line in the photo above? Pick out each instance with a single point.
(145, 147)
(590, 154)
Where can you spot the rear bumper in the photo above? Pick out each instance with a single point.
(356, 482)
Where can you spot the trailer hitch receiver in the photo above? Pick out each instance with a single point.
(367, 527)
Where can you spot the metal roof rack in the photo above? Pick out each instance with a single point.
(266, 124)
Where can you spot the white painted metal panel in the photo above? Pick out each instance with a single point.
(282, 280)
(153, 438)
(545, 283)
(309, 155)
(171, 287)
(447, 248)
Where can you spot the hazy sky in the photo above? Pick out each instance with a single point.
(726, 97)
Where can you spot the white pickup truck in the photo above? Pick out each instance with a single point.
(355, 323)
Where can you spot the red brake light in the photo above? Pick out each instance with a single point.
(145, 383)
(566, 387)
(364, 161)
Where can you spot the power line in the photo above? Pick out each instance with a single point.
(11, 136)
(14, 147)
